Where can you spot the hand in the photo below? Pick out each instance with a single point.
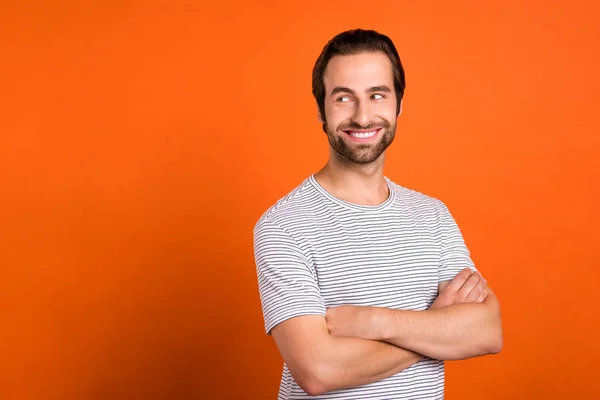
(466, 287)
(350, 321)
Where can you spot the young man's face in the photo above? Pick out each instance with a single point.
(360, 105)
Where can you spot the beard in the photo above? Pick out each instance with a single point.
(361, 153)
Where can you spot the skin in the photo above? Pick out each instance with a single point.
(354, 346)
(354, 171)
(463, 322)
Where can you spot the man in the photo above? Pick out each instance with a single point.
(367, 286)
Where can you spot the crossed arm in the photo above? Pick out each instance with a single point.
(321, 362)
(353, 346)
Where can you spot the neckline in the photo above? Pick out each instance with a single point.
(353, 206)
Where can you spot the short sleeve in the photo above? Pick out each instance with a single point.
(286, 281)
(455, 255)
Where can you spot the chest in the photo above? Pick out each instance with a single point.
(382, 262)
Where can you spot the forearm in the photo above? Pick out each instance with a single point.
(350, 362)
(321, 362)
(450, 333)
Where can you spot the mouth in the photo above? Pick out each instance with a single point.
(362, 135)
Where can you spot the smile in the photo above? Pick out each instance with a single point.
(363, 134)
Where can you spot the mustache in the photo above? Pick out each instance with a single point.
(370, 125)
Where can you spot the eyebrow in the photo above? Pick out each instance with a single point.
(342, 89)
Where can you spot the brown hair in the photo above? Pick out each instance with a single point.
(353, 42)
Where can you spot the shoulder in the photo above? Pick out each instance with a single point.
(291, 209)
(418, 201)
(424, 207)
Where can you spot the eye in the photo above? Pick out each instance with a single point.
(377, 96)
(343, 99)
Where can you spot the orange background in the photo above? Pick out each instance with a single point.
(140, 142)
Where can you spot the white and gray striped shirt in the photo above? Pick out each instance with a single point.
(314, 251)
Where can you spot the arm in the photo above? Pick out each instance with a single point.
(453, 332)
(466, 328)
(459, 324)
(320, 362)
(294, 313)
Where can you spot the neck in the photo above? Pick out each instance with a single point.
(362, 184)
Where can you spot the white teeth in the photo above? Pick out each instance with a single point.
(363, 135)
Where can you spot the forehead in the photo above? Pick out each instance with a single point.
(358, 71)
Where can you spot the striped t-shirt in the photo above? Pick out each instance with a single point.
(314, 251)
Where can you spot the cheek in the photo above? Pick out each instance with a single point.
(337, 114)
(387, 111)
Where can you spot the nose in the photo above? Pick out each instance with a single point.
(362, 115)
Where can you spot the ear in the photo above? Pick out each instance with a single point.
(319, 115)
(400, 109)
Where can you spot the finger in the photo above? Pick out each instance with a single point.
(459, 280)
(476, 291)
(482, 297)
(469, 285)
